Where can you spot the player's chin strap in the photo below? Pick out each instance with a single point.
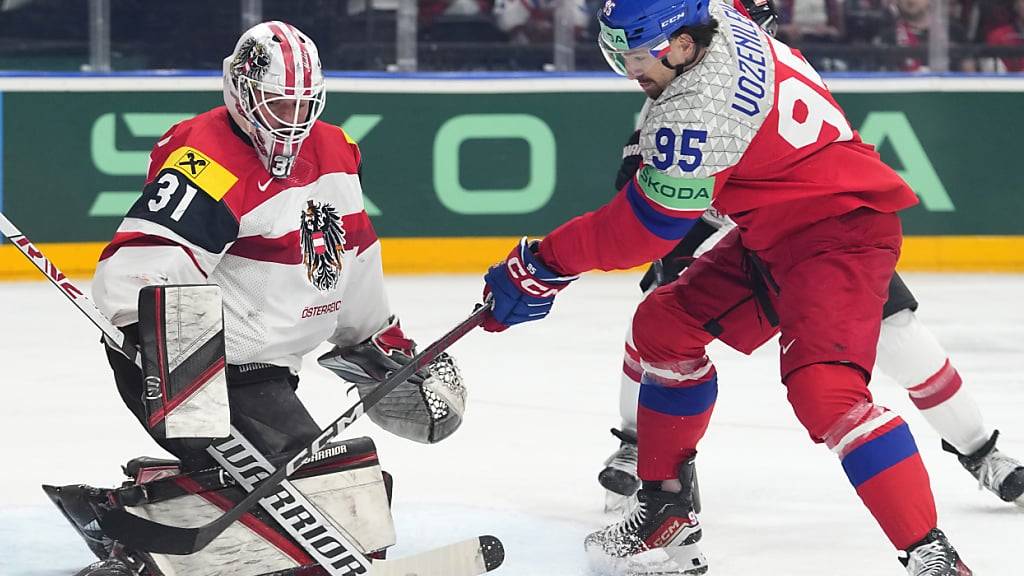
(680, 68)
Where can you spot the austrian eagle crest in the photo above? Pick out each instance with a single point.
(323, 239)
(251, 61)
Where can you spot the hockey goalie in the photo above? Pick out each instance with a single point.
(248, 248)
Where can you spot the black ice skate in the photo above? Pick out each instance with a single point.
(618, 477)
(659, 537)
(994, 470)
(934, 556)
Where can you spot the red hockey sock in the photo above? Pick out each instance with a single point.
(670, 422)
(678, 388)
(874, 445)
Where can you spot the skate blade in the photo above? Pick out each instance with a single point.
(674, 561)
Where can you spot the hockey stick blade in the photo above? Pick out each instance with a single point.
(143, 534)
(472, 557)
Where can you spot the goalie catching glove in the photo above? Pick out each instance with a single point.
(426, 408)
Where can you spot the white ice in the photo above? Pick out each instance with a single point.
(524, 465)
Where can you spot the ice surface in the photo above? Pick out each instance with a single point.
(524, 465)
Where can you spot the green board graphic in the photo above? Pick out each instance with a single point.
(487, 164)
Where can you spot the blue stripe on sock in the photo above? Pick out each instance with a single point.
(661, 225)
(880, 454)
(679, 401)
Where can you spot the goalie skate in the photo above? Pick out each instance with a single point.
(994, 471)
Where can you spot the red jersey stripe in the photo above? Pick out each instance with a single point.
(359, 232)
(122, 239)
(281, 250)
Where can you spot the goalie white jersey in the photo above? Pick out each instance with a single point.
(297, 259)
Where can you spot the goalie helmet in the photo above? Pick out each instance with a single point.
(274, 91)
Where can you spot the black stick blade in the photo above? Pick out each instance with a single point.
(492, 551)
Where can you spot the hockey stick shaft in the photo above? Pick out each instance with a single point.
(58, 279)
(144, 534)
(155, 537)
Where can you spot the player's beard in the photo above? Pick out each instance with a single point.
(650, 87)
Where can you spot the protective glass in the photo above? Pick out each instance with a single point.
(630, 62)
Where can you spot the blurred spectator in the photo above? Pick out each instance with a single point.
(431, 9)
(910, 29)
(360, 6)
(6, 5)
(532, 21)
(1010, 34)
(810, 21)
(864, 21)
(458, 21)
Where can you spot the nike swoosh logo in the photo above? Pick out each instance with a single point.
(164, 141)
(788, 346)
(263, 187)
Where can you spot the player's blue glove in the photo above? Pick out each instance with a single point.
(522, 286)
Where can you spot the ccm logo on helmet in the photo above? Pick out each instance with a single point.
(526, 282)
(675, 19)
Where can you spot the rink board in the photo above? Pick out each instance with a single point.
(458, 166)
(470, 255)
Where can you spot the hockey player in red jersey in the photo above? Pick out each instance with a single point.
(907, 351)
(743, 123)
(263, 200)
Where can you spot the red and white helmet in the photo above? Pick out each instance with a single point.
(274, 90)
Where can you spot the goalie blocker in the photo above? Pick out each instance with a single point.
(181, 334)
(344, 481)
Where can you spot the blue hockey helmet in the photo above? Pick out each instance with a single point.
(635, 33)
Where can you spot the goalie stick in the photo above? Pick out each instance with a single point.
(470, 557)
(155, 537)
